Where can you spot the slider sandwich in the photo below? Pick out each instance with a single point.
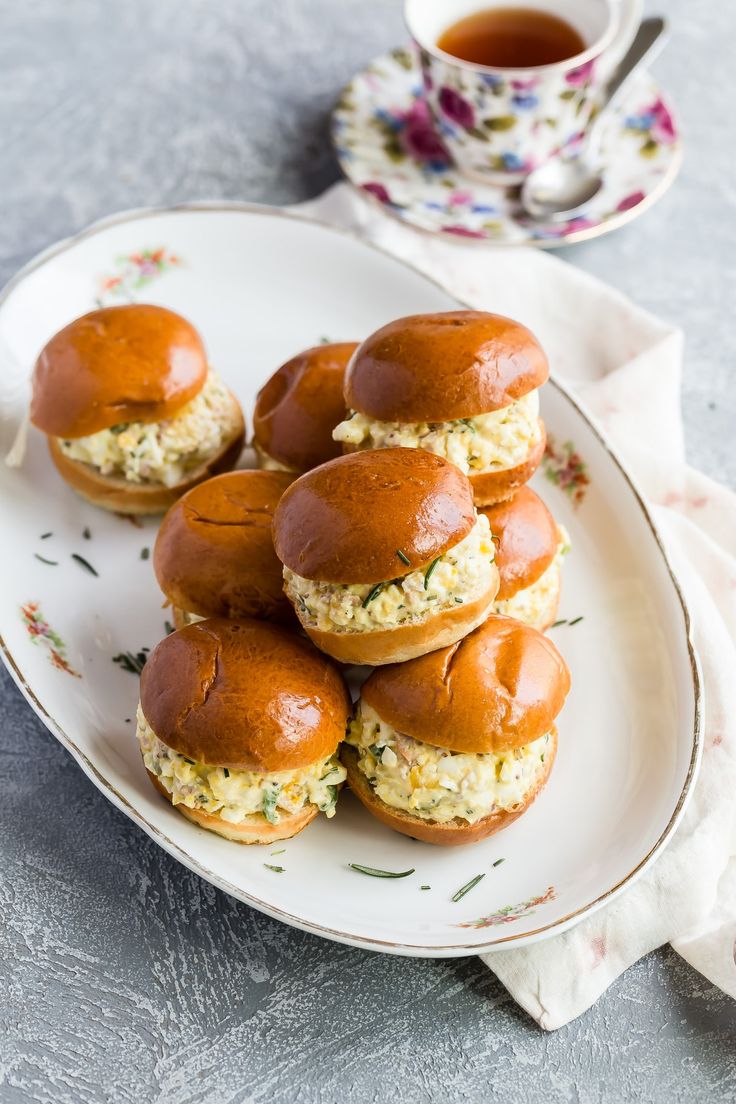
(299, 406)
(214, 555)
(133, 415)
(463, 385)
(454, 746)
(530, 547)
(239, 724)
(384, 555)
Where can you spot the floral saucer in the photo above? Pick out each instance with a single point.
(388, 147)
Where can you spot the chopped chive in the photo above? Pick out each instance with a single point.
(84, 563)
(281, 852)
(373, 594)
(226, 772)
(45, 536)
(145, 553)
(86, 533)
(403, 557)
(51, 563)
(127, 720)
(562, 621)
(324, 340)
(498, 862)
(276, 869)
(425, 887)
(169, 628)
(430, 569)
(575, 620)
(468, 886)
(189, 761)
(373, 873)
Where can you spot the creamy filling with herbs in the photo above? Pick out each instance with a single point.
(487, 442)
(439, 785)
(161, 452)
(266, 462)
(461, 575)
(536, 605)
(234, 795)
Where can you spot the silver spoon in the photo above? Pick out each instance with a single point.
(561, 187)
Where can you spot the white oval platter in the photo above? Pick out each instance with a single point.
(261, 285)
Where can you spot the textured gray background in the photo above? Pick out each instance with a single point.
(123, 977)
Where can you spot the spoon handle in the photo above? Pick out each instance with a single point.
(648, 41)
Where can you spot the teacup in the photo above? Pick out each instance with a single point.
(498, 124)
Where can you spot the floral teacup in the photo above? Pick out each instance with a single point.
(499, 124)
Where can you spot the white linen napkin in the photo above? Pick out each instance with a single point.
(609, 352)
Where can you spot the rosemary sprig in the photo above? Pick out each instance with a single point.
(374, 873)
(373, 593)
(428, 572)
(84, 563)
(467, 887)
(403, 557)
(51, 563)
(276, 869)
(134, 664)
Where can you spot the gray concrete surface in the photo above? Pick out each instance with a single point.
(122, 976)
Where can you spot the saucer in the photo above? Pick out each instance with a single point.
(387, 146)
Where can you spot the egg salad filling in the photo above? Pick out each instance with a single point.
(266, 462)
(236, 794)
(461, 575)
(439, 785)
(161, 452)
(488, 442)
(536, 605)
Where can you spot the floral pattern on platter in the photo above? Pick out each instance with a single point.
(564, 467)
(134, 272)
(509, 913)
(388, 146)
(40, 632)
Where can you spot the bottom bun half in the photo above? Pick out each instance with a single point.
(454, 832)
(498, 486)
(121, 496)
(380, 646)
(252, 829)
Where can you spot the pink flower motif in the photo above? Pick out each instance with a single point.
(525, 85)
(459, 198)
(662, 129)
(456, 108)
(419, 138)
(582, 75)
(630, 201)
(378, 191)
(576, 224)
(598, 948)
(463, 232)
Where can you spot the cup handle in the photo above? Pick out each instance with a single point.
(629, 15)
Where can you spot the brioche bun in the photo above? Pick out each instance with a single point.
(346, 521)
(527, 540)
(498, 486)
(442, 367)
(453, 832)
(244, 695)
(403, 642)
(122, 496)
(132, 363)
(500, 687)
(251, 829)
(299, 406)
(214, 552)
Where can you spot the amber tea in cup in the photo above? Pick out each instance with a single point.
(511, 38)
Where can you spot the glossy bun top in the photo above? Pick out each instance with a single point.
(132, 363)
(442, 367)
